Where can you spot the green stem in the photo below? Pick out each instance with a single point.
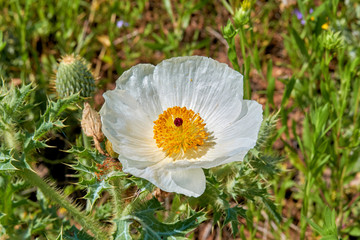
(305, 207)
(85, 221)
(10, 140)
(117, 195)
(86, 140)
(7, 201)
(232, 53)
(246, 67)
(341, 204)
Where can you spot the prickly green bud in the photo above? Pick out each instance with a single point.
(229, 31)
(74, 76)
(331, 40)
(242, 15)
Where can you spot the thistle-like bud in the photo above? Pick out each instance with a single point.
(74, 76)
(331, 40)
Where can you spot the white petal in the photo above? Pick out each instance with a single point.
(206, 86)
(190, 182)
(138, 82)
(128, 127)
(244, 131)
(232, 143)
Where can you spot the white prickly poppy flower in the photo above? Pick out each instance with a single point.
(169, 121)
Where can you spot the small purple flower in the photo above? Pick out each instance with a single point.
(122, 23)
(298, 14)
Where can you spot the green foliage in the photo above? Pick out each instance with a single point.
(74, 234)
(84, 154)
(94, 189)
(306, 160)
(329, 230)
(14, 107)
(242, 182)
(152, 228)
(331, 40)
(122, 230)
(232, 217)
(170, 42)
(5, 161)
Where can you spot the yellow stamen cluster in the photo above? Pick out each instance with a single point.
(179, 129)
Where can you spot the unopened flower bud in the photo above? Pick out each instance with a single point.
(74, 76)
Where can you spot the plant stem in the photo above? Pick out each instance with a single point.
(243, 43)
(85, 221)
(86, 140)
(116, 193)
(305, 207)
(341, 204)
(7, 201)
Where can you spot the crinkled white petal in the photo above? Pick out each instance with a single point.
(232, 143)
(128, 127)
(190, 182)
(138, 82)
(202, 84)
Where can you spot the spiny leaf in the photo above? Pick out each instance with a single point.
(6, 161)
(270, 206)
(13, 105)
(154, 229)
(46, 127)
(56, 108)
(21, 163)
(49, 120)
(84, 168)
(122, 230)
(17, 96)
(265, 164)
(232, 217)
(95, 188)
(248, 188)
(225, 172)
(213, 195)
(87, 154)
(267, 130)
(30, 143)
(75, 234)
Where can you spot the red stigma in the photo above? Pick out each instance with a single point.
(178, 122)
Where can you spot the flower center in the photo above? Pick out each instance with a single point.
(178, 122)
(179, 129)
